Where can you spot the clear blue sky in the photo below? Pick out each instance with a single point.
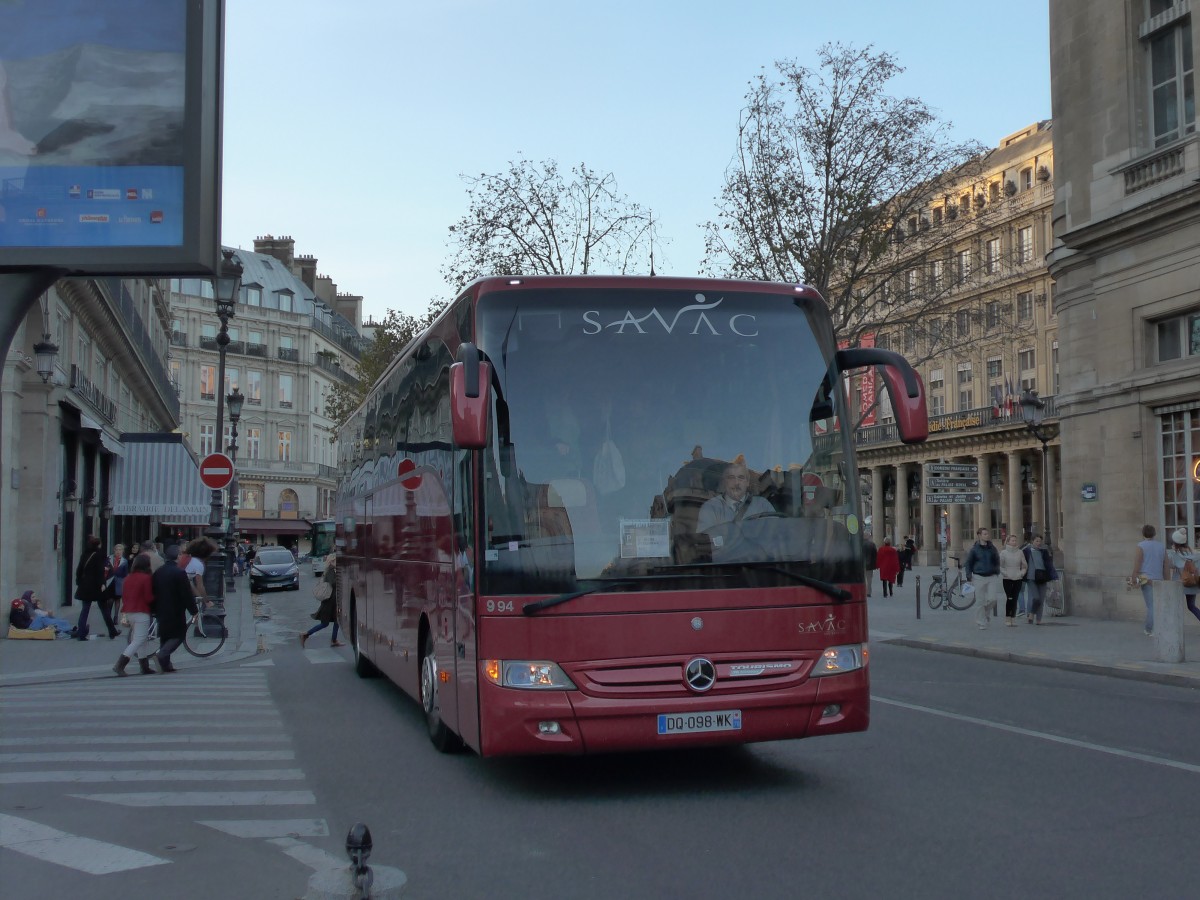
(348, 125)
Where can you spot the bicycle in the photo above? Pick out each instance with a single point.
(201, 639)
(947, 594)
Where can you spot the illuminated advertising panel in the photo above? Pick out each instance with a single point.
(109, 135)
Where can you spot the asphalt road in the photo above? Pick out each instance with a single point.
(977, 779)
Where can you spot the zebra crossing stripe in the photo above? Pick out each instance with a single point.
(165, 756)
(70, 850)
(205, 798)
(143, 740)
(123, 775)
(270, 828)
(313, 857)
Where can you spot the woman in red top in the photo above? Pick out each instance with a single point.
(137, 598)
(889, 566)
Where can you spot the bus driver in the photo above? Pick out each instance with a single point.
(732, 504)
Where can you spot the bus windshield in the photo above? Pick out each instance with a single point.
(661, 437)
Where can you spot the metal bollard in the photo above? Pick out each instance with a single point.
(917, 580)
(358, 881)
(358, 848)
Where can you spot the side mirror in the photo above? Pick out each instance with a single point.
(903, 384)
(470, 397)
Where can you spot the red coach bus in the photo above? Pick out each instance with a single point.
(586, 514)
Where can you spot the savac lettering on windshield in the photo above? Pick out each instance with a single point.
(629, 320)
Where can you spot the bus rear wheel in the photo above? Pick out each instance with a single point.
(445, 740)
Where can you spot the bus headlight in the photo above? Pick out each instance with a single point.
(528, 674)
(836, 660)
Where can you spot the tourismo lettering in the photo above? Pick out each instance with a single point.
(702, 308)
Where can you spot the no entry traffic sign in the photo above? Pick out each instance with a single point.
(216, 471)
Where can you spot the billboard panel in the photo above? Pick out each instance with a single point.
(110, 135)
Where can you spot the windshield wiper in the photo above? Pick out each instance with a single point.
(825, 587)
(601, 584)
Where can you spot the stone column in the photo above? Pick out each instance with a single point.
(903, 515)
(877, 504)
(983, 517)
(1053, 489)
(928, 553)
(1016, 523)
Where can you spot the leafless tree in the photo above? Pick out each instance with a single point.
(530, 220)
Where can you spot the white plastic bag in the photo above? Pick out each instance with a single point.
(608, 469)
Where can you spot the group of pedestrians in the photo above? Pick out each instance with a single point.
(1154, 561)
(1013, 570)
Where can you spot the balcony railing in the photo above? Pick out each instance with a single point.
(978, 419)
(289, 354)
(179, 339)
(256, 350)
(208, 343)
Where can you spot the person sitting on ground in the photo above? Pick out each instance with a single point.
(732, 504)
(27, 614)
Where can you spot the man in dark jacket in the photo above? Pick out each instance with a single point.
(174, 601)
(983, 572)
(90, 576)
(870, 559)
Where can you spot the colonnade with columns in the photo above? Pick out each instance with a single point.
(1012, 483)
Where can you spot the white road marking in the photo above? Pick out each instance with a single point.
(164, 756)
(323, 656)
(122, 775)
(138, 712)
(1045, 736)
(205, 798)
(260, 663)
(142, 740)
(313, 857)
(143, 704)
(270, 828)
(70, 850)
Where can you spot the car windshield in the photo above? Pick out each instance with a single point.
(619, 415)
(274, 557)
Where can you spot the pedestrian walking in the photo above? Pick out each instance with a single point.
(889, 566)
(197, 552)
(138, 600)
(1178, 557)
(905, 552)
(118, 569)
(151, 550)
(1012, 576)
(983, 573)
(1149, 566)
(90, 576)
(870, 559)
(173, 601)
(326, 591)
(1039, 572)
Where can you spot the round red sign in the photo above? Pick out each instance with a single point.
(216, 471)
(409, 478)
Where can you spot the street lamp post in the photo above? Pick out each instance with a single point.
(227, 284)
(234, 401)
(1033, 411)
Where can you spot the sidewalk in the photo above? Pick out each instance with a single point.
(1098, 646)
(30, 662)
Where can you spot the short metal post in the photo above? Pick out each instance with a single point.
(917, 579)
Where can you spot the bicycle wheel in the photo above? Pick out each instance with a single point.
(204, 638)
(958, 600)
(937, 595)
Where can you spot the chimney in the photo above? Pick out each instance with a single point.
(282, 249)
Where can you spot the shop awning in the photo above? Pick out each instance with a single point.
(159, 477)
(273, 526)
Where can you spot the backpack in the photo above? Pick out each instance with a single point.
(18, 616)
(1190, 575)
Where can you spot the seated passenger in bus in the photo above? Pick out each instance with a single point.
(733, 503)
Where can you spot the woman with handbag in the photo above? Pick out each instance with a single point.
(1179, 556)
(325, 590)
(90, 577)
(1039, 571)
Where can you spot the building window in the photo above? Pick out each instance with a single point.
(208, 382)
(1054, 365)
(254, 381)
(937, 405)
(1025, 244)
(285, 391)
(1027, 360)
(937, 274)
(1025, 306)
(936, 330)
(964, 204)
(995, 368)
(962, 323)
(966, 400)
(937, 380)
(285, 446)
(1027, 178)
(253, 295)
(964, 374)
(286, 303)
(991, 261)
(937, 215)
(253, 443)
(910, 339)
(910, 284)
(208, 439)
(231, 380)
(963, 262)
(176, 369)
(1180, 457)
(993, 314)
(994, 192)
(1172, 87)
(208, 331)
(1179, 337)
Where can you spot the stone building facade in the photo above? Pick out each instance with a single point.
(1127, 265)
(977, 321)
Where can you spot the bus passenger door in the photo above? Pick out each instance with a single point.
(466, 666)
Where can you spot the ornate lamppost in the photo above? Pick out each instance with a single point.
(1033, 412)
(227, 285)
(234, 401)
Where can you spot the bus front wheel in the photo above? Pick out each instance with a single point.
(442, 737)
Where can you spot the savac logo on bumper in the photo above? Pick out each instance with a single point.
(695, 317)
